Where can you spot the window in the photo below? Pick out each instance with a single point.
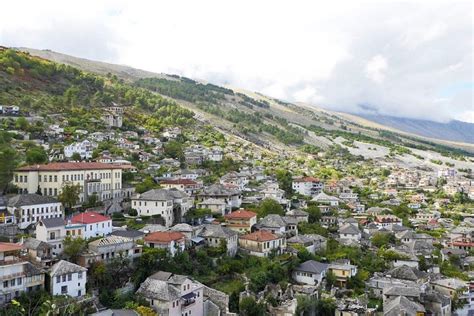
(13, 282)
(58, 279)
(64, 289)
(69, 277)
(79, 275)
(5, 283)
(64, 278)
(19, 281)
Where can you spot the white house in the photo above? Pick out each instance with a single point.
(323, 198)
(54, 230)
(84, 149)
(310, 272)
(96, 225)
(30, 208)
(350, 233)
(308, 186)
(67, 278)
(172, 241)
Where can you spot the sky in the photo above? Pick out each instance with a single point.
(402, 58)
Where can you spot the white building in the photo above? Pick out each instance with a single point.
(17, 275)
(67, 278)
(171, 204)
(96, 225)
(310, 272)
(171, 241)
(173, 295)
(84, 149)
(54, 230)
(30, 208)
(308, 186)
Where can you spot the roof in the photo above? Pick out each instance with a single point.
(349, 229)
(109, 240)
(217, 231)
(179, 181)
(401, 306)
(30, 199)
(241, 214)
(60, 166)
(260, 236)
(306, 179)
(157, 287)
(89, 218)
(182, 227)
(164, 237)
(53, 222)
(33, 243)
(65, 267)
(8, 246)
(161, 195)
(312, 266)
(451, 283)
(324, 197)
(219, 190)
(405, 272)
(272, 220)
(402, 291)
(128, 233)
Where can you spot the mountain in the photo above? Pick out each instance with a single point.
(279, 126)
(456, 131)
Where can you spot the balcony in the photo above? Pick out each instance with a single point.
(188, 299)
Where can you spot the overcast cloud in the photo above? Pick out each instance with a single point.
(411, 59)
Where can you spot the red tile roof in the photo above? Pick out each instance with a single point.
(261, 235)
(89, 218)
(59, 166)
(241, 214)
(179, 181)
(307, 179)
(7, 246)
(164, 237)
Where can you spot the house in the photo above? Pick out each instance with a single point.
(170, 204)
(413, 293)
(311, 242)
(108, 248)
(217, 235)
(66, 278)
(400, 305)
(323, 198)
(38, 250)
(93, 178)
(308, 186)
(342, 271)
(387, 221)
(350, 233)
(241, 220)
(54, 230)
(173, 295)
(262, 243)
(310, 272)
(271, 190)
(299, 216)
(95, 224)
(450, 287)
(113, 116)
(134, 235)
(185, 185)
(30, 208)
(279, 224)
(84, 149)
(230, 195)
(17, 275)
(169, 240)
(217, 206)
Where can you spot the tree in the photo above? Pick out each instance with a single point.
(174, 149)
(73, 248)
(269, 206)
(382, 239)
(314, 213)
(249, 307)
(285, 181)
(146, 185)
(21, 123)
(330, 279)
(8, 163)
(36, 155)
(69, 195)
(76, 157)
(146, 311)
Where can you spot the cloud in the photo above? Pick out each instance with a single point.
(400, 58)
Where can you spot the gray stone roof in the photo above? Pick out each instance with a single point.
(312, 266)
(161, 195)
(109, 240)
(53, 222)
(216, 231)
(402, 291)
(218, 190)
(401, 306)
(30, 199)
(405, 272)
(35, 244)
(272, 220)
(65, 267)
(130, 233)
(349, 229)
(163, 286)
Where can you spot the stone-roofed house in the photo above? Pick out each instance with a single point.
(38, 250)
(413, 293)
(310, 272)
(170, 204)
(450, 287)
(30, 208)
(108, 248)
(299, 216)
(279, 224)
(172, 294)
(405, 272)
(323, 198)
(216, 235)
(66, 278)
(232, 197)
(350, 233)
(400, 305)
(134, 235)
(312, 243)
